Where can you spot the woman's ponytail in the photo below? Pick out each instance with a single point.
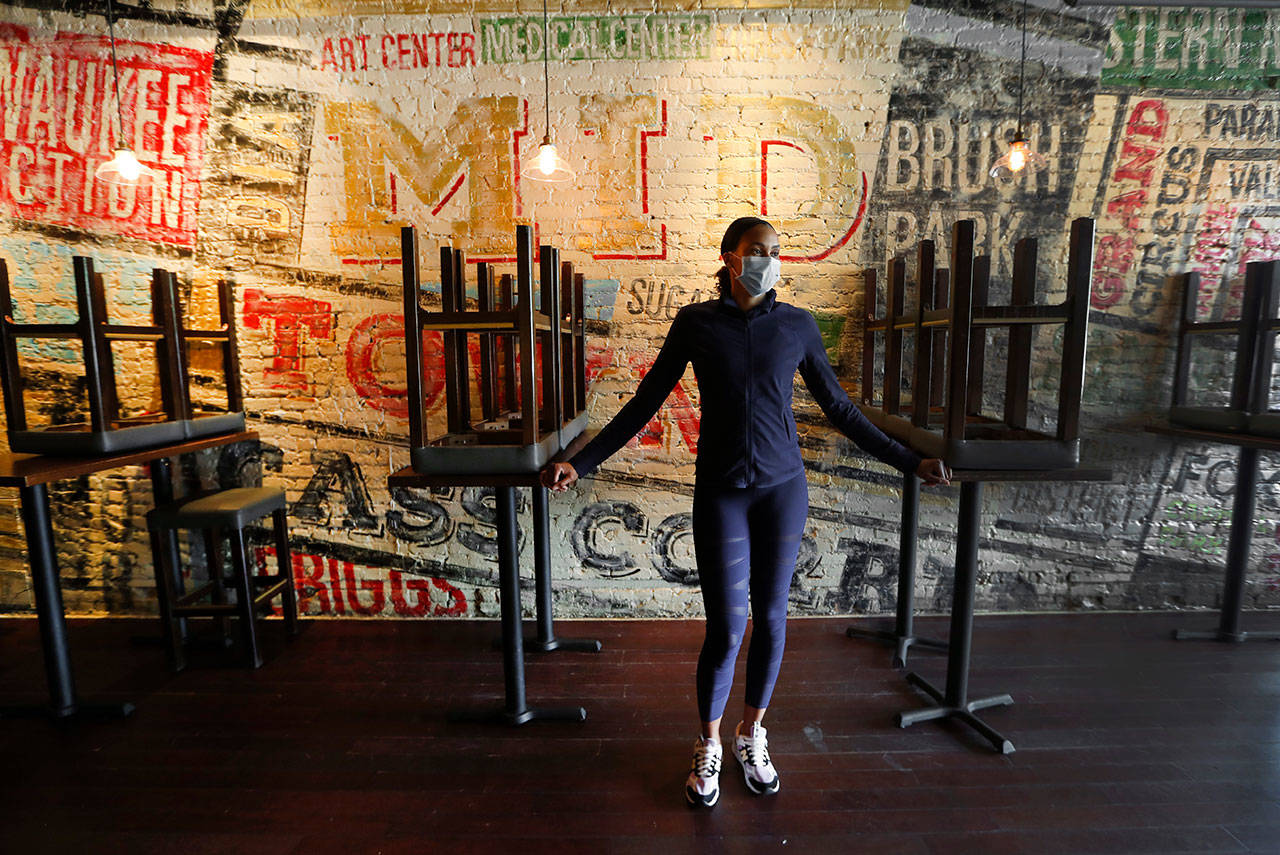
(725, 282)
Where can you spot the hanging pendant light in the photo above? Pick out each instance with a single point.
(547, 165)
(1020, 155)
(124, 169)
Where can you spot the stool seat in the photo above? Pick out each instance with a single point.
(234, 508)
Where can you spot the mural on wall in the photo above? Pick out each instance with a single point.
(62, 119)
(1185, 541)
(290, 155)
(1185, 142)
(952, 113)
(1192, 184)
(1186, 147)
(255, 180)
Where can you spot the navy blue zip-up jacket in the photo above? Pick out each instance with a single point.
(746, 365)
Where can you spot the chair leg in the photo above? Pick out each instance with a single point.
(213, 558)
(285, 564)
(244, 595)
(165, 594)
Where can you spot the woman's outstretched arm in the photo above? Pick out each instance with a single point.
(820, 378)
(667, 369)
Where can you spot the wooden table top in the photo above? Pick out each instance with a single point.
(1079, 473)
(27, 470)
(1268, 443)
(409, 477)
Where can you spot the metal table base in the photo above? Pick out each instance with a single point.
(903, 636)
(516, 709)
(544, 639)
(954, 702)
(1242, 519)
(1243, 510)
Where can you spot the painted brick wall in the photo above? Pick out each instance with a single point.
(292, 138)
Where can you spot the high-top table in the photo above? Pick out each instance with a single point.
(1242, 518)
(954, 701)
(516, 710)
(32, 474)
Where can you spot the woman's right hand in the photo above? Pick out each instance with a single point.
(558, 476)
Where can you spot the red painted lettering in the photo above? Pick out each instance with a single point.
(421, 587)
(364, 364)
(327, 57)
(326, 585)
(457, 600)
(373, 586)
(58, 105)
(310, 586)
(421, 50)
(461, 49)
(287, 317)
(1115, 253)
(346, 48)
(1128, 206)
(1149, 118)
(682, 412)
(1139, 168)
(1260, 244)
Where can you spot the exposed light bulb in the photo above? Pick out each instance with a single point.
(547, 165)
(1018, 156)
(547, 158)
(123, 168)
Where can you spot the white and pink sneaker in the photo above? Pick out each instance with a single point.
(752, 752)
(702, 789)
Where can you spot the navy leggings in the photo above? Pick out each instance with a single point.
(745, 536)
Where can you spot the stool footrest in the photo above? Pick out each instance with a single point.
(187, 606)
(272, 592)
(196, 595)
(205, 610)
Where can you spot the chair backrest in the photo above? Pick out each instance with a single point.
(1254, 332)
(95, 332)
(533, 392)
(950, 318)
(1267, 275)
(222, 337)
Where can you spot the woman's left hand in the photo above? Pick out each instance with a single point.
(933, 471)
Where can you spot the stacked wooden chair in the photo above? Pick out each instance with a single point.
(1248, 408)
(948, 326)
(532, 371)
(224, 514)
(109, 430)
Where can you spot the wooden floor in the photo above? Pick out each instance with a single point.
(1127, 742)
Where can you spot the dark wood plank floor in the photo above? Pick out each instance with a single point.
(1127, 742)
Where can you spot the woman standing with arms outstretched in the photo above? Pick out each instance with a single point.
(751, 497)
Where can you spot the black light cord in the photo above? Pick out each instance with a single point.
(1022, 72)
(115, 68)
(547, 83)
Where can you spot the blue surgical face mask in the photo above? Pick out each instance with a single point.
(759, 273)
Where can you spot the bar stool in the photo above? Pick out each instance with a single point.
(229, 512)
